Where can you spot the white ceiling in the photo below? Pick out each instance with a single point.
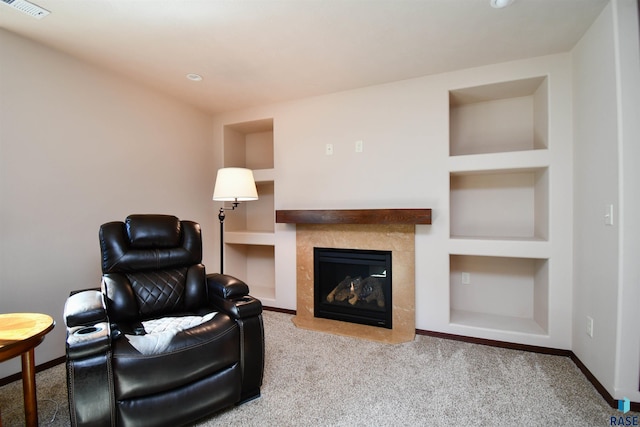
(254, 52)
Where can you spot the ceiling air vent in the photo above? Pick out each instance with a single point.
(28, 8)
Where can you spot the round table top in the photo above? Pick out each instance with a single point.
(20, 331)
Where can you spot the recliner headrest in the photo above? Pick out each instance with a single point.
(149, 242)
(153, 231)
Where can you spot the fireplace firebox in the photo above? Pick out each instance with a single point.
(353, 285)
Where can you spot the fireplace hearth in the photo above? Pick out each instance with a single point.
(353, 285)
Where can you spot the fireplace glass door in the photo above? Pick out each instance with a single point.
(353, 285)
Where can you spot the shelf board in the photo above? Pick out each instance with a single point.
(511, 161)
(263, 175)
(495, 322)
(355, 216)
(515, 247)
(249, 238)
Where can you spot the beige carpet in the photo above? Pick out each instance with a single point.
(316, 379)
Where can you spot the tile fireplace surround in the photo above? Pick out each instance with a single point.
(381, 229)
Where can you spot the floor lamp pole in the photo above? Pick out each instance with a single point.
(221, 216)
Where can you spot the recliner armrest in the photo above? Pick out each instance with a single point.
(88, 330)
(85, 308)
(240, 308)
(84, 341)
(226, 286)
(231, 295)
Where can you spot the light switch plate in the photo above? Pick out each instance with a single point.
(466, 278)
(608, 214)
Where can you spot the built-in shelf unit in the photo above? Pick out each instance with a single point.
(499, 207)
(249, 230)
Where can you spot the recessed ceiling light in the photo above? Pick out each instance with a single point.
(194, 77)
(499, 4)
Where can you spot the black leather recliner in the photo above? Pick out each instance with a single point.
(161, 343)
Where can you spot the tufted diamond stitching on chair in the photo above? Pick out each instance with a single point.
(158, 291)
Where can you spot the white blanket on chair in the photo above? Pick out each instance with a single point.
(159, 332)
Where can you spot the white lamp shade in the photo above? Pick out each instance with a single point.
(235, 185)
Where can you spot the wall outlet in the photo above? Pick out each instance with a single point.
(466, 278)
(590, 326)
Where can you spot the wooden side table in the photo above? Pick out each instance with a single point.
(20, 333)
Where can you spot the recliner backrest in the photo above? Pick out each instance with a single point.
(151, 265)
(149, 242)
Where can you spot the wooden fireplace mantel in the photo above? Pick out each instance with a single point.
(355, 216)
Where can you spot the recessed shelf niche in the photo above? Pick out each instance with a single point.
(250, 228)
(507, 294)
(256, 216)
(249, 144)
(500, 117)
(255, 265)
(500, 204)
(499, 163)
